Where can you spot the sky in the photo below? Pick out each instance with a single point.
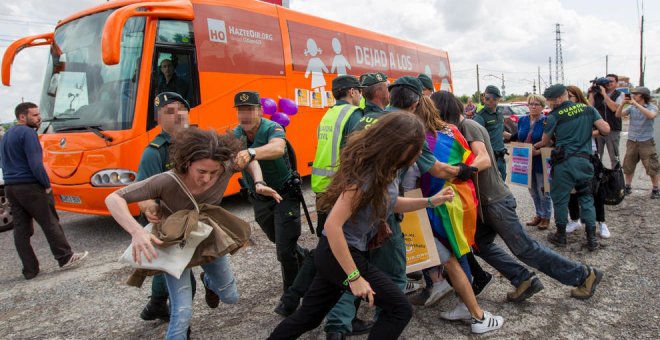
(509, 38)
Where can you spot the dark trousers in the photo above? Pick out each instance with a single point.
(281, 224)
(30, 201)
(327, 288)
(574, 208)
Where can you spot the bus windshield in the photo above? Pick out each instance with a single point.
(79, 90)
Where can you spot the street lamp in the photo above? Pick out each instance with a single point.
(500, 78)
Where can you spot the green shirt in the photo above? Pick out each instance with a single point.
(571, 124)
(494, 124)
(276, 172)
(155, 157)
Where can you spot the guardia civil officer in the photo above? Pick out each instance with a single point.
(427, 84)
(375, 94)
(172, 112)
(491, 117)
(571, 124)
(264, 141)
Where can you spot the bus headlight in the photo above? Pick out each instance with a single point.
(113, 178)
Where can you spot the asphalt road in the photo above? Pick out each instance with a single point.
(92, 301)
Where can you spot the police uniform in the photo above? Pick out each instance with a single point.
(493, 121)
(279, 221)
(571, 124)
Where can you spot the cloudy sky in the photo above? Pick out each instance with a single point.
(509, 37)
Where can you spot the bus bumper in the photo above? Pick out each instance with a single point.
(85, 199)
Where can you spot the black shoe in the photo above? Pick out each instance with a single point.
(557, 239)
(156, 308)
(284, 309)
(415, 275)
(360, 327)
(627, 190)
(30, 276)
(212, 299)
(335, 336)
(478, 287)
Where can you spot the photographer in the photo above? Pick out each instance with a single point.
(264, 142)
(604, 96)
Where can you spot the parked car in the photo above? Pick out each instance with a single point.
(513, 112)
(6, 219)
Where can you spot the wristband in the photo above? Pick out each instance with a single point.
(352, 277)
(259, 182)
(429, 204)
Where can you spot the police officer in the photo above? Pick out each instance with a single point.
(264, 141)
(375, 94)
(427, 84)
(345, 115)
(491, 117)
(172, 111)
(571, 125)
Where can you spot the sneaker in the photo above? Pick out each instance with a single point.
(411, 287)
(628, 190)
(604, 232)
(489, 323)
(420, 298)
(156, 308)
(655, 193)
(479, 287)
(75, 259)
(212, 299)
(573, 225)
(525, 290)
(588, 287)
(439, 290)
(460, 312)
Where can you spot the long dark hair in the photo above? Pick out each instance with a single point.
(579, 95)
(193, 144)
(449, 106)
(370, 161)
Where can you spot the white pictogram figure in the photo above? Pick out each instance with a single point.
(315, 66)
(339, 63)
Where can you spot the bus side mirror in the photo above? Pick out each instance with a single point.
(19, 45)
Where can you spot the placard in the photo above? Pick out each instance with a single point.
(520, 168)
(302, 97)
(421, 252)
(317, 99)
(547, 177)
(330, 99)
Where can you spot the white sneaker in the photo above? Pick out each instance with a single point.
(604, 232)
(439, 290)
(75, 259)
(411, 287)
(460, 312)
(573, 225)
(489, 323)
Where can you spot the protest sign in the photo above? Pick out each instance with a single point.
(421, 252)
(547, 177)
(520, 167)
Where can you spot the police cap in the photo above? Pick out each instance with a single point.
(492, 89)
(165, 98)
(426, 81)
(369, 79)
(346, 82)
(247, 98)
(554, 91)
(409, 82)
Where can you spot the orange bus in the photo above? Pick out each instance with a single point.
(104, 70)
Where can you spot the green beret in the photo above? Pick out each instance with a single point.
(247, 98)
(492, 89)
(165, 98)
(410, 82)
(426, 81)
(369, 79)
(346, 82)
(554, 91)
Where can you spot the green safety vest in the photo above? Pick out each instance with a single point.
(329, 136)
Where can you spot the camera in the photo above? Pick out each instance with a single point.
(602, 81)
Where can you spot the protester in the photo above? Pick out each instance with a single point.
(470, 109)
(172, 111)
(571, 125)
(492, 118)
(453, 223)
(576, 96)
(530, 131)
(203, 162)
(362, 194)
(640, 144)
(264, 141)
(29, 192)
(607, 100)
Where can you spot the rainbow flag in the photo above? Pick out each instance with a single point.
(454, 222)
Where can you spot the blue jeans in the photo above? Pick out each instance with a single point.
(218, 277)
(542, 200)
(500, 219)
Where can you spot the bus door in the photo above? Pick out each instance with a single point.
(174, 65)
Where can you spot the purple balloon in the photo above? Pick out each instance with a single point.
(280, 118)
(268, 105)
(288, 106)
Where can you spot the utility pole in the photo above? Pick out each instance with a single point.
(539, 76)
(641, 51)
(534, 87)
(606, 64)
(503, 87)
(550, 69)
(478, 88)
(559, 58)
